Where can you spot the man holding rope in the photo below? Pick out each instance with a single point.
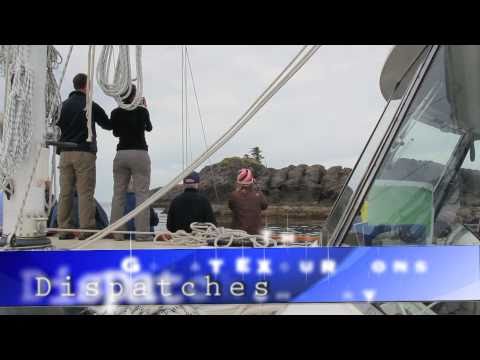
(77, 164)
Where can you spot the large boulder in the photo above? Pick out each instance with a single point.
(332, 183)
(279, 177)
(312, 181)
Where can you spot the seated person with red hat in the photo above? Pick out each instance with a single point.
(247, 204)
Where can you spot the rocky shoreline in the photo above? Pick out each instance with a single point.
(309, 191)
(283, 211)
(296, 191)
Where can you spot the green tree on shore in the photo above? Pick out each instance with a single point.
(256, 154)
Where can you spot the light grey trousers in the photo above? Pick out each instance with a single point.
(135, 165)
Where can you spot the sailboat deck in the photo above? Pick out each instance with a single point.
(110, 244)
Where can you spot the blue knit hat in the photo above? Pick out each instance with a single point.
(193, 178)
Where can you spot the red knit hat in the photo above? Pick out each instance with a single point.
(245, 177)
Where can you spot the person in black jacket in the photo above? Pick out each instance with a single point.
(132, 163)
(189, 207)
(77, 164)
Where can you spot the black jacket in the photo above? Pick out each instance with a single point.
(130, 127)
(189, 207)
(73, 123)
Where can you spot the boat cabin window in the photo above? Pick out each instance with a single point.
(427, 191)
(368, 152)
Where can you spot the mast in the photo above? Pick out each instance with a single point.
(31, 225)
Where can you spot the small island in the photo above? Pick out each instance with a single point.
(299, 193)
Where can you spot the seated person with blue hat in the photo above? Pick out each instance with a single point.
(189, 207)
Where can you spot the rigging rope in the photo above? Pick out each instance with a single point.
(15, 146)
(52, 89)
(188, 139)
(55, 108)
(17, 126)
(291, 69)
(25, 197)
(121, 86)
(65, 67)
(204, 133)
(52, 106)
(182, 65)
(89, 100)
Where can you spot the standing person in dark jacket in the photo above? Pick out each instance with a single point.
(131, 162)
(77, 165)
(247, 204)
(189, 207)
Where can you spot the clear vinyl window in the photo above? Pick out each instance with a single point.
(425, 192)
(373, 143)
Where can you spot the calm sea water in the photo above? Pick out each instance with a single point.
(276, 225)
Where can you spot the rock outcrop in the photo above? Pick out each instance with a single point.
(311, 190)
(294, 185)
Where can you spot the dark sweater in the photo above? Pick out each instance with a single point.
(189, 207)
(73, 123)
(130, 127)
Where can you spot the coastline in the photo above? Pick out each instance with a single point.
(297, 212)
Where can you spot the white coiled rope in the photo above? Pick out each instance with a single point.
(17, 122)
(121, 86)
(89, 100)
(52, 88)
(22, 87)
(203, 233)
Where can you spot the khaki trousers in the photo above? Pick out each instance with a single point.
(131, 164)
(77, 172)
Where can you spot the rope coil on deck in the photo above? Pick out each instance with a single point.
(203, 234)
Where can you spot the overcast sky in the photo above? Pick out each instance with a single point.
(323, 115)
